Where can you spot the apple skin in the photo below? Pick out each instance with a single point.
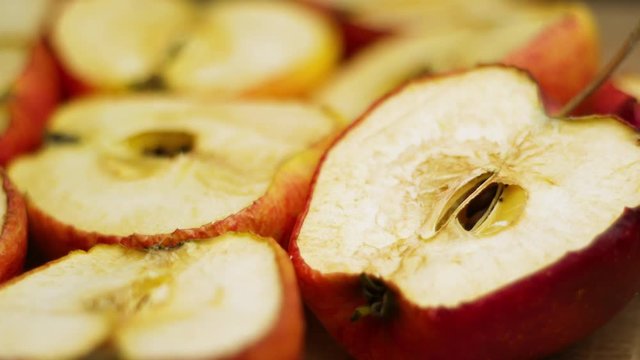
(33, 98)
(272, 215)
(533, 317)
(13, 235)
(563, 58)
(609, 99)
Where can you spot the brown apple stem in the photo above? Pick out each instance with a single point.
(622, 53)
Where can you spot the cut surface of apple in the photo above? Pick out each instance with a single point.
(218, 298)
(225, 48)
(153, 165)
(21, 21)
(389, 63)
(453, 191)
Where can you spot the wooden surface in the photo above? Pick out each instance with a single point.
(620, 338)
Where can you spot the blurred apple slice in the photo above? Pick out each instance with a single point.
(227, 48)
(29, 84)
(13, 229)
(231, 297)
(456, 210)
(555, 43)
(148, 170)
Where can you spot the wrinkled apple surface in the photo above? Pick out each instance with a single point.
(154, 165)
(211, 299)
(468, 213)
(225, 48)
(385, 65)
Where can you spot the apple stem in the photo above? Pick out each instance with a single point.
(595, 84)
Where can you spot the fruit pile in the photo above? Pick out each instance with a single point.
(182, 176)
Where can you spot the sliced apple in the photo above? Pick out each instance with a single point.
(148, 170)
(28, 77)
(471, 217)
(231, 297)
(228, 48)
(546, 43)
(13, 229)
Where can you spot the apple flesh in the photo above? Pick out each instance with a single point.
(231, 48)
(471, 217)
(231, 297)
(13, 229)
(555, 43)
(157, 170)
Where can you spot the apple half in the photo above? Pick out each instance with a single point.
(13, 229)
(227, 48)
(29, 83)
(456, 220)
(555, 43)
(231, 297)
(154, 170)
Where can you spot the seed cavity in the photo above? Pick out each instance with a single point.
(161, 144)
(60, 138)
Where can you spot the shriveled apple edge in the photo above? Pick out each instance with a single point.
(286, 335)
(346, 288)
(13, 234)
(271, 215)
(32, 99)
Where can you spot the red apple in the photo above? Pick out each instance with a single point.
(13, 229)
(231, 297)
(157, 170)
(236, 48)
(28, 77)
(557, 44)
(468, 224)
(616, 97)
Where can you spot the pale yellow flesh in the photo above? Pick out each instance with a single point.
(207, 299)
(12, 63)
(389, 63)
(106, 184)
(21, 21)
(224, 48)
(114, 43)
(243, 45)
(383, 187)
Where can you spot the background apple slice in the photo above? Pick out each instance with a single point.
(557, 44)
(149, 170)
(13, 229)
(247, 48)
(551, 255)
(29, 85)
(231, 297)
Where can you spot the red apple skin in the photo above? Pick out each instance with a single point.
(533, 317)
(286, 339)
(272, 215)
(563, 58)
(610, 100)
(32, 99)
(13, 235)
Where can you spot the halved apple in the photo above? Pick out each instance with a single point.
(557, 44)
(13, 229)
(231, 297)
(468, 224)
(153, 170)
(29, 84)
(227, 48)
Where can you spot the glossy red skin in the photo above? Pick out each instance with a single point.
(32, 99)
(610, 100)
(563, 58)
(13, 234)
(535, 316)
(272, 215)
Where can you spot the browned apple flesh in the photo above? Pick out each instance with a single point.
(111, 162)
(389, 63)
(225, 48)
(456, 187)
(206, 299)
